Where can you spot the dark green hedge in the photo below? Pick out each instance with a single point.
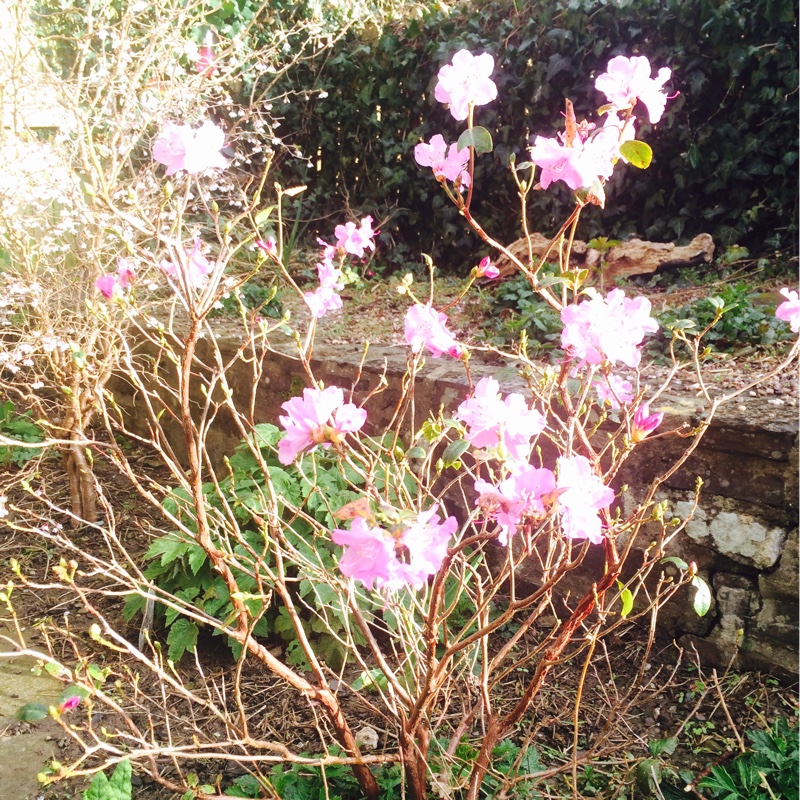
(725, 152)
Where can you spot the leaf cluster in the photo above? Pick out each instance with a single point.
(770, 770)
(738, 316)
(181, 567)
(21, 427)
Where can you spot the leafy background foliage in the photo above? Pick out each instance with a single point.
(725, 152)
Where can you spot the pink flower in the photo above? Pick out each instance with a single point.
(614, 390)
(126, 272)
(789, 311)
(106, 285)
(505, 425)
(579, 165)
(644, 423)
(369, 555)
(520, 495)
(465, 81)
(354, 239)
(206, 64)
(582, 495)
(179, 147)
(268, 246)
(194, 269)
(319, 417)
(322, 300)
(110, 285)
(487, 270)
(426, 327)
(70, 703)
(426, 540)
(628, 80)
(449, 163)
(607, 329)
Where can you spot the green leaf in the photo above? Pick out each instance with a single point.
(264, 215)
(120, 782)
(637, 153)
(476, 137)
(118, 788)
(373, 679)
(678, 562)
(32, 712)
(702, 597)
(626, 596)
(454, 451)
(73, 690)
(182, 638)
(665, 746)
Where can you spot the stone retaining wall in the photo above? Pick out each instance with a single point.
(743, 536)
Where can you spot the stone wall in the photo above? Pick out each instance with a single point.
(743, 536)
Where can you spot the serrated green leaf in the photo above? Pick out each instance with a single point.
(702, 596)
(32, 712)
(476, 137)
(182, 638)
(120, 783)
(118, 788)
(665, 746)
(637, 153)
(454, 451)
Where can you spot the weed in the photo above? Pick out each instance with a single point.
(22, 428)
(770, 770)
(744, 320)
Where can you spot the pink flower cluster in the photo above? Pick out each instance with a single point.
(466, 82)
(350, 239)
(581, 497)
(522, 496)
(192, 269)
(427, 327)
(503, 425)
(371, 554)
(181, 148)
(319, 417)
(115, 284)
(587, 154)
(628, 80)
(448, 163)
(789, 310)
(607, 330)
(529, 492)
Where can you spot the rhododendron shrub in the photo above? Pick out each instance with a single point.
(357, 549)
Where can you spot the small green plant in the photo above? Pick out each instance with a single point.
(180, 566)
(768, 772)
(519, 308)
(118, 787)
(742, 322)
(20, 427)
(252, 296)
